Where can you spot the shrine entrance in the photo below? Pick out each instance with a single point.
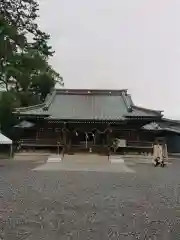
(83, 140)
(90, 140)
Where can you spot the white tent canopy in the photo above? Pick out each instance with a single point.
(5, 140)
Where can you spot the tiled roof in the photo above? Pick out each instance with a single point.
(164, 125)
(143, 112)
(80, 104)
(152, 126)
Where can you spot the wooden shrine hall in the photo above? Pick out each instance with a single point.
(87, 120)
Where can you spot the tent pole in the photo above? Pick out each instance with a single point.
(11, 151)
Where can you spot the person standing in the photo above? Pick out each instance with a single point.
(158, 154)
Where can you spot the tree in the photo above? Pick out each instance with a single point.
(10, 41)
(22, 14)
(7, 103)
(24, 64)
(32, 76)
(25, 73)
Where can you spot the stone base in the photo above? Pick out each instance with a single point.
(116, 159)
(31, 156)
(54, 158)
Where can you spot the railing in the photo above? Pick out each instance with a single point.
(38, 142)
(132, 146)
(139, 144)
(135, 147)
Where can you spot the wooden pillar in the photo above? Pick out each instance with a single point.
(64, 133)
(69, 140)
(108, 139)
(76, 136)
(94, 138)
(108, 132)
(86, 139)
(64, 136)
(67, 137)
(11, 151)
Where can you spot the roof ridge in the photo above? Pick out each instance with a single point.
(126, 101)
(130, 99)
(30, 107)
(148, 109)
(89, 90)
(46, 103)
(49, 99)
(171, 120)
(95, 89)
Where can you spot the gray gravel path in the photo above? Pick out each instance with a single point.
(84, 205)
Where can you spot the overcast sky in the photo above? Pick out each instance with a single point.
(133, 44)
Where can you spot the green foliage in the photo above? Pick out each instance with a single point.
(7, 103)
(24, 69)
(23, 61)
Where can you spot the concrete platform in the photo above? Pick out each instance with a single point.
(85, 167)
(84, 162)
(85, 158)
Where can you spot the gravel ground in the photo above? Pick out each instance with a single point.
(83, 205)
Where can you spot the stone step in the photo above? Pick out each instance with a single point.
(135, 159)
(34, 156)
